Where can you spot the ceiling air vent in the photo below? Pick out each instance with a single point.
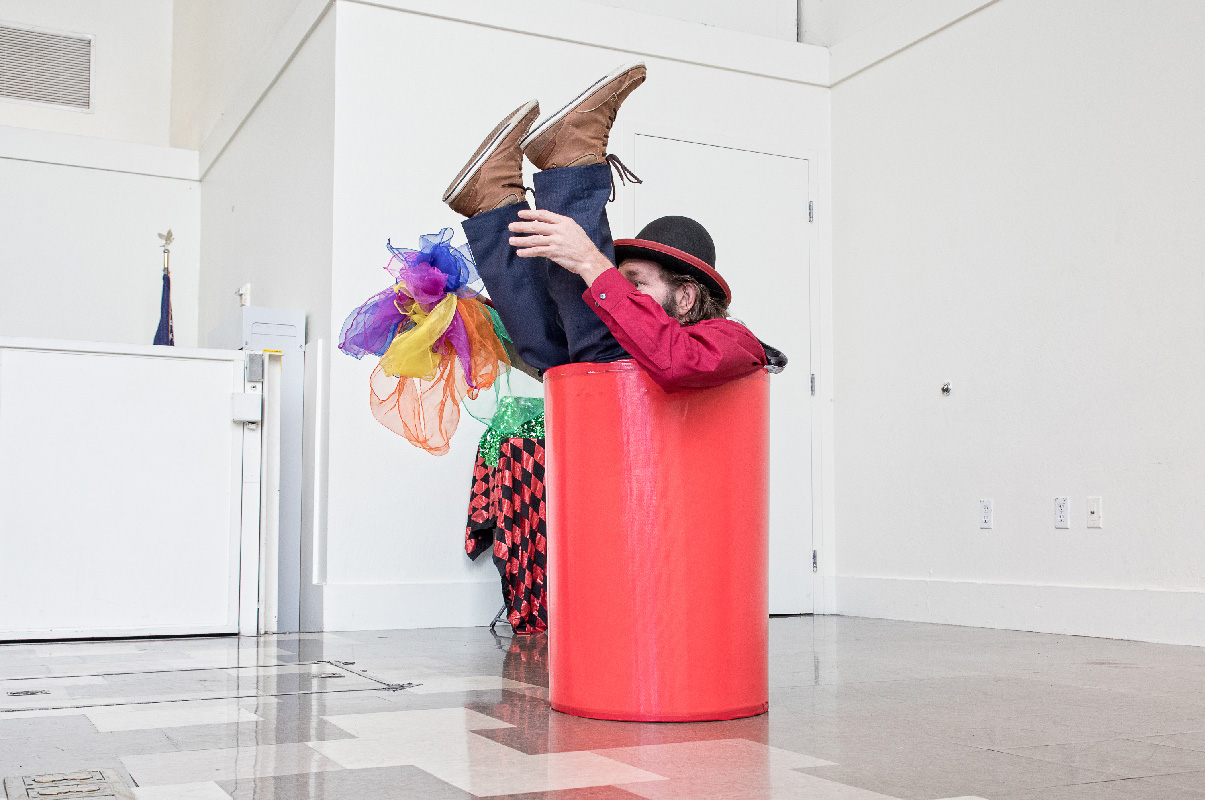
(44, 67)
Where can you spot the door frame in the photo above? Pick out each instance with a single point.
(820, 342)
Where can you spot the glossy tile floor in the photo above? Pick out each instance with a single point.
(860, 709)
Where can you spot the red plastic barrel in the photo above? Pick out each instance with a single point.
(658, 545)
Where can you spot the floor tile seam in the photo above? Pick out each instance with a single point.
(997, 748)
(165, 671)
(883, 681)
(1009, 752)
(1140, 693)
(990, 787)
(1200, 768)
(1189, 700)
(1029, 791)
(929, 740)
(1010, 704)
(1162, 779)
(1117, 779)
(938, 680)
(190, 700)
(143, 654)
(1106, 770)
(1019, 635)
(858, 716)
(365, 674)
(391, 736)
(944, 743)
(1144, 740)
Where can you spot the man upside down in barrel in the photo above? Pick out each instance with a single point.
(552, 273)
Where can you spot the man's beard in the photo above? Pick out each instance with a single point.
(670, 305)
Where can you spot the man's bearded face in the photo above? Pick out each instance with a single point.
(649, 278)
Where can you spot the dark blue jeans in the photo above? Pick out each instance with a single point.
(540, 302)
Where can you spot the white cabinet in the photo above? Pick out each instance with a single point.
(121, 485)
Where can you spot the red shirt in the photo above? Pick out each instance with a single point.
(676, 356)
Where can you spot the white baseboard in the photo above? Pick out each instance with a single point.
(1148, 615)
(390, 606)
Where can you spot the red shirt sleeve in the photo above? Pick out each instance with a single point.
(676, 356)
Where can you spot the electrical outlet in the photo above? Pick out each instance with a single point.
(1095, 513)
(985, 514)
(1062, 512)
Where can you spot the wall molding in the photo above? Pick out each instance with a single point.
(633, 32)
(615, 29)
(619, 30)
(896, 32)
(120, 349)
(110, 155)
(262, 77)
(391, 606)
(1166, 616)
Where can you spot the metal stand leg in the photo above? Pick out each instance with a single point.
(499, 617)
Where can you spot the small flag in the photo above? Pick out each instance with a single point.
(165, 334)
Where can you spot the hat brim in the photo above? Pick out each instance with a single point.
(674, 260)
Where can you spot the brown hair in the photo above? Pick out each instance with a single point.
(706, 306)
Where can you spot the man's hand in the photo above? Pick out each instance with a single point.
(560, 239)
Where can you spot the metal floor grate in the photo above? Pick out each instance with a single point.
(68, 786)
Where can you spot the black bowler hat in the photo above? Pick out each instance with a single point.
(680, 245)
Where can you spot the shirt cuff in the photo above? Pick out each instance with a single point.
(608, 290)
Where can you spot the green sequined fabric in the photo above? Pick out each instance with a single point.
(516, 416)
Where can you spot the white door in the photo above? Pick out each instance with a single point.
(120, 491)
(755, 206)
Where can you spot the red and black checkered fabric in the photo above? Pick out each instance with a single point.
(507, 514)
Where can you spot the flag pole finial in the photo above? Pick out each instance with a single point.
(166, 240)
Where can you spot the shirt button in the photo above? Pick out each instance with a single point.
(602, 296)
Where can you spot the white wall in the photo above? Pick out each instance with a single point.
(266, 202)
(827, 22)
(80, 259)
(216, 44)
(267, 216)
(777, 19)
(82, 194)
(132, 66)
(1017, 211)
(405, 122)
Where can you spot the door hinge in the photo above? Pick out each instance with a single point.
(813, 384)
(811, 216)
(815, 562)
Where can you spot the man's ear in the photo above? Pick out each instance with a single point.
(687, 294)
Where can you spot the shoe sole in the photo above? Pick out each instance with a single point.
(543, 126)
(487, 149)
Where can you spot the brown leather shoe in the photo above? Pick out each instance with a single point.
(493, 177)
(577, 134)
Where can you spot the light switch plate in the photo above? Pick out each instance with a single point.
(1096, 512)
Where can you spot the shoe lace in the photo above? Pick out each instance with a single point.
(625, 175)
(525, 189)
